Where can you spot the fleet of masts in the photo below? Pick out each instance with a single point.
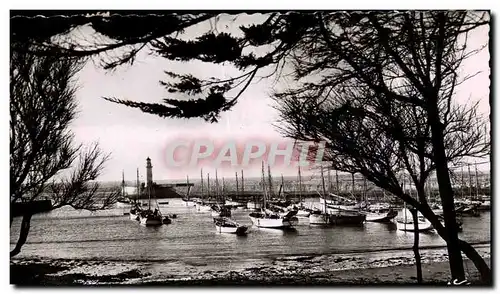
(273, 210)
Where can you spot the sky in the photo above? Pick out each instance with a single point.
(131, 135)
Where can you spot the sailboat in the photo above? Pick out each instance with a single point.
(202, 205)
(337, 202)
(149, 217)
(302, 210)
(229, 226)
(317, 217)
(135, 210)
(123, 201)
(219, 209)
(405, 222)
(266, 218)
(186, 200)
(378, 212)
(235, 202)
(335, 215)
(483, 202)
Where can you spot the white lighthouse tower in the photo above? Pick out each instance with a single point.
(149, 179)
(149, 173)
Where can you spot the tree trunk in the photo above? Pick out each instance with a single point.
(418, 260)
(464, 247)
(481, 265)
(445, 192)
(23, 235)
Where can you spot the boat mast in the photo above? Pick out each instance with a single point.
(352, 191)
(329, 181)
(217, 192)
(208, 187)
(223, 193)
(404, 203)
(138, 187)
(462, 185)
(470, 181)
(201, 176)
(283, 187)
(123, 183)
(188, 186)
(477, 183)
(242, 184)
(337, 181)
(324, 188)
(271, 191)
(263, 187)
(365, 187)
(237, 188)
(300, 186)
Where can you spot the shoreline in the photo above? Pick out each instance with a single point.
(362, 269)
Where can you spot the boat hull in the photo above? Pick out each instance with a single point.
(228, 226)
(303, 213)
(151, 221)
(336, 219)
(231, 230)
(273, 223)
(422, 227)
(381, 217)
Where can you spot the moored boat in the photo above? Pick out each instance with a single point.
(202, 206)
(135, 210)
(151, 218)
(266, 218)
(221, 211)
(134, 214)
(458, 220)
(229, 226)
(187, 201)
(272, 220)
(340, 217)
(302, 211)
(404, 222)
(334, 214)
(380, 215)
(148, 217)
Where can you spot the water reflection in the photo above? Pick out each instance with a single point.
(193, 235)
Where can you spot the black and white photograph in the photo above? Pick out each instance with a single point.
(250, 148)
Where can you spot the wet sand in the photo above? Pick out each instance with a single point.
(389, 268)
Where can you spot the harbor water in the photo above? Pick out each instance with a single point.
(192, 240)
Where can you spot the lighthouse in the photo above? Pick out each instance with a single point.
(149, 173)
(149, 180)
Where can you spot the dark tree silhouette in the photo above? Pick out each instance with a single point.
(384, 140)
(411, 58)
(42, 106)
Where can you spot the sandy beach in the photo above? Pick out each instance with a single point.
(369, 268)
